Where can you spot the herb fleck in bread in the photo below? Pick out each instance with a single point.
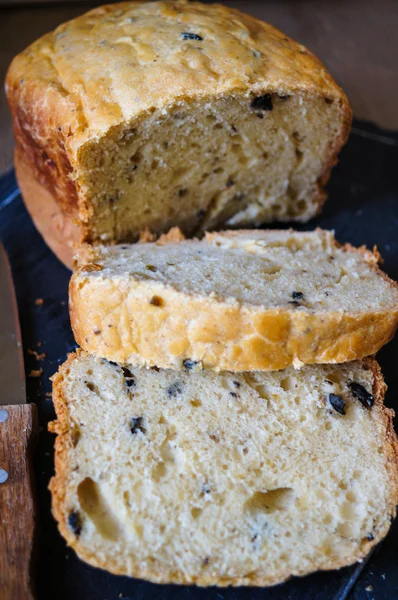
(225, 479)
(157, 114)
(238, 301)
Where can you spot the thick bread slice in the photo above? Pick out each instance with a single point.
(238, 301)
(222, 479)
(106, 106)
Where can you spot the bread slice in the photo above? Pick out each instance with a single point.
(238, 301)
(222, 479)
(154, 114)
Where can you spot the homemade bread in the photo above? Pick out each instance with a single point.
(222, 479)
(154, 114)
(237, 301)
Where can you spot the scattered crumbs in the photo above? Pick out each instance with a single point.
(48, 395)
(36, 373)
(63, 302)
(39, 301)
(369, 588)
(39, 344)
(383, 575)
(36, 354)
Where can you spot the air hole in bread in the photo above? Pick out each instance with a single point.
(92, 387)
(96, 508)
(286, 384)
(271, 501)
(75, 436)
(158, 472)
(344, 530)
(347, 511)
(195, 402)
(136, 157)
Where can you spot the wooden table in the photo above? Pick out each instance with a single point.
(357, 40)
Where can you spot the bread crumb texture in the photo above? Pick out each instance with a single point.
(153, 114)
(240, 301)
(228, 479)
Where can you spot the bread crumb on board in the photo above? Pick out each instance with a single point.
(36, 373)
(39, 301)
(37, 356)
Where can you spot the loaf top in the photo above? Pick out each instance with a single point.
(117, 62)
(242, 479)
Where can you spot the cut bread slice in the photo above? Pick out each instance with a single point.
(222, 479)
(238, 301)
(106, 106)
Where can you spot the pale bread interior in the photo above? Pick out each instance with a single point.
(210, 163)
(193, 476)
(272, 269)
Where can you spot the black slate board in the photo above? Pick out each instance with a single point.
(363, 209)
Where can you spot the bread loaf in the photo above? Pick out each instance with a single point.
(222, 479)
(238, 301)
(148, 115)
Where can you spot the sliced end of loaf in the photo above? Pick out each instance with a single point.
(222, 479)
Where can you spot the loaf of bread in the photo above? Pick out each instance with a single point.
(147, 115)
(237, 301)
(222, 479)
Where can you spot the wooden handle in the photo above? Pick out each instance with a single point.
(18, 431)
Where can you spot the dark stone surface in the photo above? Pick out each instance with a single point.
(362, 209)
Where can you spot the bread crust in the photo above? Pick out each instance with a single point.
(56, 111)
(119, 320)
(59, 486)
(59, 228)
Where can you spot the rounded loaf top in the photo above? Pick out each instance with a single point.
(116, 62)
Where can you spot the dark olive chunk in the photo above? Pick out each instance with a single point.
(298, 296)
(137, 424)
(337, 403)
(366, 398)
(129, 377)
(191, 36)
(75, 522)
(262, 102)
(174, 389)
(189, 364)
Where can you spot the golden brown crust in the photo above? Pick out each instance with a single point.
(117, 320)
(60, 229)
(59, 485)
(59, 102)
